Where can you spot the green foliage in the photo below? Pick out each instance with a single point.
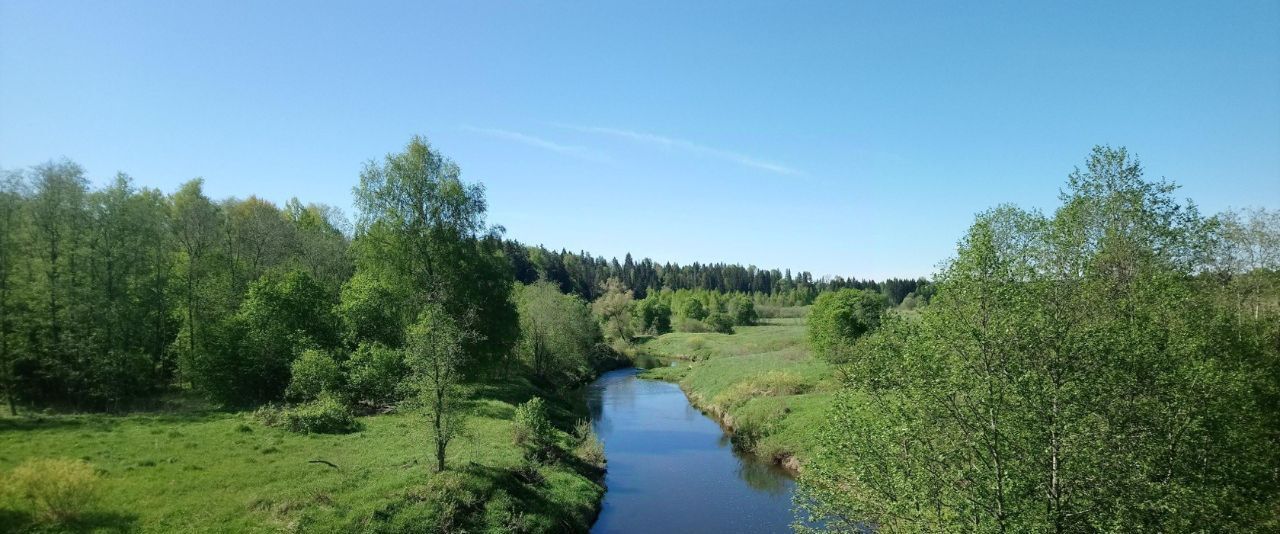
(1070, 374)
(246, 358)
(742, 311)
(57, 490)
(313, 373)
(693, 308)
(374, 310)
(531, 429)
(375, 374)
(421, 233)
(652, 315)
(435, 354)
(839, 318)
(558, 333)
(589, 447)
(327, 414)
(720, 323)
(613, 309)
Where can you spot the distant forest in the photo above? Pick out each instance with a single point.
(584, 275)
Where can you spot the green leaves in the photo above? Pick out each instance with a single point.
(1071, 374)
(839, 318)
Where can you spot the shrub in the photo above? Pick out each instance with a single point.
(839, 318)
(313, 373)
(719, 322)
(325, 415)
(376, 373)
(692, 326)
(532, 429)
(589, 448)
(58, 489)
(742, 311)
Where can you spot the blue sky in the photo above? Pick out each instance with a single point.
(839, 137)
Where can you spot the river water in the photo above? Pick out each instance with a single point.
(672, 469)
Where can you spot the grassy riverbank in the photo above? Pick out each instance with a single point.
(760, 381)
(199, 470)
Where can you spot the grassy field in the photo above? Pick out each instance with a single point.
(209, 471)
(760, 381)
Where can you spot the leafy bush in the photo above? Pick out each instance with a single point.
(532, 429)
(325, 415)
(839, 318)
(693, 309)
(313, 373)
(743, 311)
(693, 326)
(376, 373)
(58, 489)
(719, 322)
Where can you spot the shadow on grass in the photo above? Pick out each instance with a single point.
(22, 521)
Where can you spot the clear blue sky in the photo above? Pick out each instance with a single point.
(839, 137)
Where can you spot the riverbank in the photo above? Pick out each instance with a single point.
(760, 383)
(193, 469)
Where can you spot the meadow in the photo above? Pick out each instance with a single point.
(761, 382)
(192, 469)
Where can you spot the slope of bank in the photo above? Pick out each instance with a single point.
(760, 382)
(196, 471)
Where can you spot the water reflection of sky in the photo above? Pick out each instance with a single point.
(671, 469)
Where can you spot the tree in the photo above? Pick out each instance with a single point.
(839, 318)
(247, 357)
(614, 310)
(421, 232)
(652, 315)
(11, 230)
(196, 222)
(692, 308)
(435, 354)
(1069, 375)
(558, 332)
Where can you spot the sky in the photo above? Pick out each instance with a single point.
(842, 138)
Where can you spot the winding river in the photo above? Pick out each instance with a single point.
(672, 469)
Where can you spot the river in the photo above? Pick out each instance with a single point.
(672, 469)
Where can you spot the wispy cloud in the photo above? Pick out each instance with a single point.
(537, 142)
(690, 146)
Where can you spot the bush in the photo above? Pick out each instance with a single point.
(532, 430)
(325, 415)
(693, 326)
(313, 373)
(59, 490)
(376, 373)
(743, 311)
(839, 318)
(589, 448)
(719, 322)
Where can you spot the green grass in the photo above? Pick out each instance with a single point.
(224, 472)
(761, 381)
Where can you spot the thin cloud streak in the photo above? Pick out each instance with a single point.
(537, 142)
(669, 142)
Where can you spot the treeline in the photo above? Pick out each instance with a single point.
(584, 275)
(1112, 366)
(103, 292)
(114, 295)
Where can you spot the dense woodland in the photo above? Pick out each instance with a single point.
(114, 295)
(1111, 366)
